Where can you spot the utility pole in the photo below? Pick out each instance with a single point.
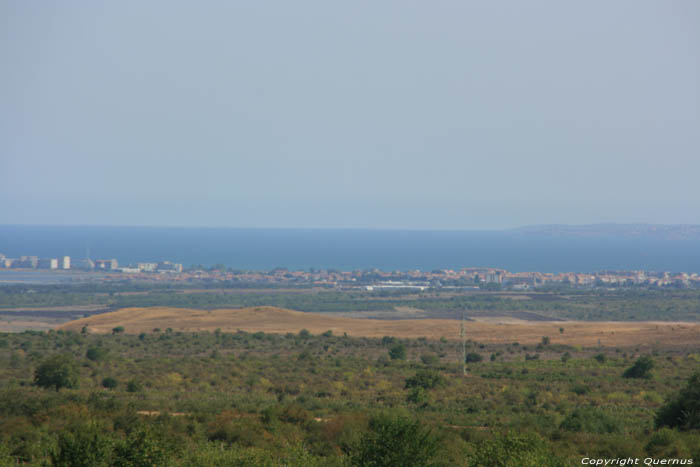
(464, 347)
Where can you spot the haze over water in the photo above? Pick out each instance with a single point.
(264, 249)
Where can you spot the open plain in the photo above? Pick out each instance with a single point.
(281, 321)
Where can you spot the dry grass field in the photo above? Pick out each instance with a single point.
(281, 321)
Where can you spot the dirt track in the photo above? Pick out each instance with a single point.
(277, 320)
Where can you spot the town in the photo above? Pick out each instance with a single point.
(368, 279)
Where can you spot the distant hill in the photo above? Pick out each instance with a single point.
(281, 321)
(657, 231)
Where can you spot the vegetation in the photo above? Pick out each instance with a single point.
(626, 304)
(57, 371)
(641, 369)
(683, 409)
(220, 399)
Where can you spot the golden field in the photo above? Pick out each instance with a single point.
(282, 321)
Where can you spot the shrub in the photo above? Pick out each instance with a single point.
(640, 369)
(515, 450)
(388, 340)
(418, 395)
(118, 330)
(430, 359)
(395, 440)
(82, 446)
(580, 389)
(682, 410)
(601, 358)
(96, 353)
(590, 420)
(109, 383)
(425, 380)
(133, 386)
(398, 352)
(473, 357)
(666, 443)
(140, 449)
(57, 371)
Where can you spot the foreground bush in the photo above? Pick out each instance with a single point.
(590, 420)
(395, 440)
(683, 410)
(514, 451)
(83, 446)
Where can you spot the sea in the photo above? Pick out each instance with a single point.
(352, 249)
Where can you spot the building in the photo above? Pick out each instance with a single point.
(129, 270)
(167, 266)
(47, 263)
(86, 264)
(28, 262)
(148, 267)
(65, 262)
(106, 264)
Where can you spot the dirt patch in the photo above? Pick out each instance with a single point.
(281, 321)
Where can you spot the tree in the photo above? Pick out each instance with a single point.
(425, 380)
(109, 383)
(682, 410)
(82, 446)
(58, 371)
(395, 440)
(142, 448)
(118, 330)
(398, 352)
(513, 450)
(641, 368)
(473, 357)
(96, 353)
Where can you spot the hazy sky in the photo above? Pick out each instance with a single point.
(380, 114)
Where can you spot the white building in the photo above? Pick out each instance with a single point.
(47, 263)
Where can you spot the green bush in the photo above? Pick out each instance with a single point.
(142, 448)
(58, 371)
(394, 440)
(82, 446)
(682, 410)
(398, 352)
(418, 395)
(590, 420)
(133, 386)
(96, 353)
(666, 443)
(640, 369)
(430, 359)
(513, 450)
(109, 383)
(473, 357)
(425, 380)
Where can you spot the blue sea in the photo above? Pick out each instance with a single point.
(346, 249)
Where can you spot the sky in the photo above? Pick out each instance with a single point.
(399, 114)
